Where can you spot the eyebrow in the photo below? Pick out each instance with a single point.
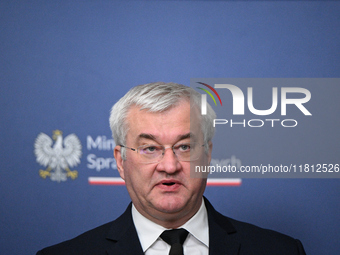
(146, 136)
(188, 135)
(152, 137)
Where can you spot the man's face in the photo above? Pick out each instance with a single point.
(163, 192)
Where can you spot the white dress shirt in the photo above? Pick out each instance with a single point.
(197, 242)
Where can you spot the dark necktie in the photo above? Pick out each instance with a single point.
(175, 238)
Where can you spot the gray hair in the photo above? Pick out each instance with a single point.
(157, 97)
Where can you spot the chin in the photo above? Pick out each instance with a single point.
(171, 204)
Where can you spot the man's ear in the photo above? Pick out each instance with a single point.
(119, 160)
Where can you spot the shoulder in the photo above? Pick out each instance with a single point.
(90, 242)
(95, 241)
(252, 239)
(258, 236)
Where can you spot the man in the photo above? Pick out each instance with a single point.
(160, 135)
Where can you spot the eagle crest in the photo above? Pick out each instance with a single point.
(58, 157)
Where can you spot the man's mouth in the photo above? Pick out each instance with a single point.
(169, 185)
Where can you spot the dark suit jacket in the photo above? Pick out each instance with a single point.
(226, 236)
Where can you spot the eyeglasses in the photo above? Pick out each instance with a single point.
(151, 153)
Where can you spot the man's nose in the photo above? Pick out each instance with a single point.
(169, 163)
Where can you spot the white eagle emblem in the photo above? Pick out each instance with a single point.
(58, 159)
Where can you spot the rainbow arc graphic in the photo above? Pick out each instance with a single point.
(209, 93)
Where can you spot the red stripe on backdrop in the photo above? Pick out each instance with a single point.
(119, 181)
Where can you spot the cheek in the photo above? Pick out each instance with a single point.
(197, 183)
(133, 182)
(137, 176)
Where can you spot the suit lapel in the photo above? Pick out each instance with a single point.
(124, 236)
(221, 238)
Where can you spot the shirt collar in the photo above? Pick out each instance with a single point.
(198, 225)
(148, 231)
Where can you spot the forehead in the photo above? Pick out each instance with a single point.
(165, 126)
